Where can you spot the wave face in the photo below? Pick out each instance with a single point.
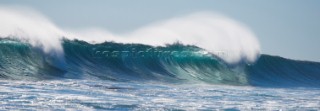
(278, 71)
(19, 60)
(174, 63)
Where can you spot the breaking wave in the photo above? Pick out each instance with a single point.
(201, 47)
(173, 63)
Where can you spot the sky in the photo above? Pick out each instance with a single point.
(287, 28)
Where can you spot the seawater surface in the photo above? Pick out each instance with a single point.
(71, 94)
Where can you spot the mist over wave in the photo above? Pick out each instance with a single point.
(213, 32)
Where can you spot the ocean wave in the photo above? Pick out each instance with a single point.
(173, 63)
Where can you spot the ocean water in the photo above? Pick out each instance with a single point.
(104, 95)
(117, 76)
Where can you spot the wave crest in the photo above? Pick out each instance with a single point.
(213, 32)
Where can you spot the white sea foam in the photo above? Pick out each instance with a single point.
(26, 24)
(213, 32)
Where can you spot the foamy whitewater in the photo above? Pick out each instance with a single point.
(201, 61)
